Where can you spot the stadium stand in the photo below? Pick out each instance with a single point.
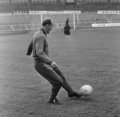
(19, 12)
(5, 6)
(20, 5)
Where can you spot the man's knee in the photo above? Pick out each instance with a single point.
(59, 82)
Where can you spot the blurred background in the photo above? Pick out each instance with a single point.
(16, 14)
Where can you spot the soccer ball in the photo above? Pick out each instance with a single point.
(86, 90)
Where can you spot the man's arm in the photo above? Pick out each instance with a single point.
(29, 50)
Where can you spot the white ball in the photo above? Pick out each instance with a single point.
(86, 90)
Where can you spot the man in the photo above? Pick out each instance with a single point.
(67, 27)
(45, 66)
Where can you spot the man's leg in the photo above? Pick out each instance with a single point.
(55, 90)
(49, 74)
(65, 85)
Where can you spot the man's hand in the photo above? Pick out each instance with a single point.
(53, 65)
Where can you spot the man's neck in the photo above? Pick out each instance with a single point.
(43, 30)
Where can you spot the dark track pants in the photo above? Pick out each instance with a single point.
(54, 76)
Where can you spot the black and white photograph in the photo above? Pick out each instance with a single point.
(59, 58)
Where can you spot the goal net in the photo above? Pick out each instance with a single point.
(58, 17)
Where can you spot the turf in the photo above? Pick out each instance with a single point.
(88, 56)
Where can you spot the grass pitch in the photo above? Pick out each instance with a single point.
(88, 56)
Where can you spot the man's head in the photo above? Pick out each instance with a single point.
(47, 24)
(67, 21)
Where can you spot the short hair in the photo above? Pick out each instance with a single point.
(47, 21)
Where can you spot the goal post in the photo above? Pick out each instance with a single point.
(58, 17)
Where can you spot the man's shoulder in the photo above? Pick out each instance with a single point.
(38, 34)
